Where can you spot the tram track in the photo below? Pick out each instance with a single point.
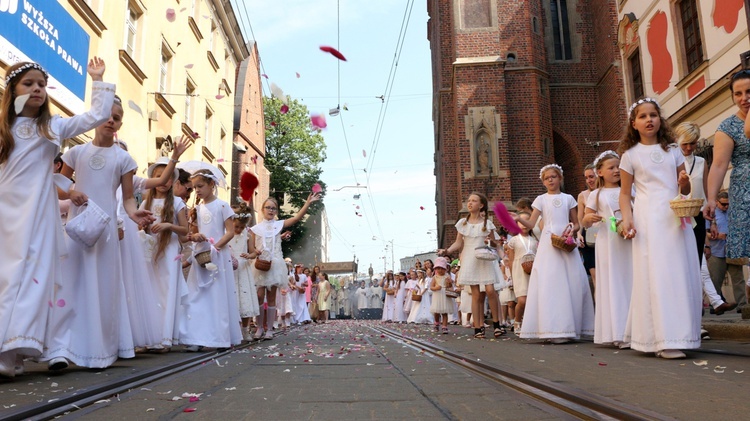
(87, 396)
(576, 403)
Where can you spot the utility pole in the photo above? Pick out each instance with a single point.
(393, 260)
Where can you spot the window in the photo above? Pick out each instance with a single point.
(164, 65)
(222, 143)
(207, 128)
(636, 77)
(560, 29)
(189, 92)
(691, 34)
(132, 16)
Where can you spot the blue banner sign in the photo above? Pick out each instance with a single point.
(44, 32)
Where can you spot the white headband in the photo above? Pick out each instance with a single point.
(641, 102)
(207, 175)
(22, 69)
(604, 155)
(547, 167)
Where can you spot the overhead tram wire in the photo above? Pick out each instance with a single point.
(250, 25)
(389, 84)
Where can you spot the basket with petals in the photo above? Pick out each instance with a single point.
(390, 291)
(416, 296)
(527, 262)
(452, 293)
(687, 207)
(565, 241)
(203, 258)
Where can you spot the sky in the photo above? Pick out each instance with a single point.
(397, 197)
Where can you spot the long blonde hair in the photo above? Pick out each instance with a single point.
(8, 113)
(167, 215)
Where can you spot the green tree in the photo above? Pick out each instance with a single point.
(294, 155)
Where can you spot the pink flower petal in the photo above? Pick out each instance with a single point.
(219, 96)
(183, 9)
(35, 281)
(318, 121)
(50, 304)
(284, 109)
(189, 409)
(189, 66)
(211, 240)
(171, 15)
(61, 303)
(297, 73)
(364, 154)
(194, 399)
(316, 188)
(273, 124)
(178, 257)
(421, 208)
(264, 75)
(334, 52)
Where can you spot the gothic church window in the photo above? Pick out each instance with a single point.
(560, 29)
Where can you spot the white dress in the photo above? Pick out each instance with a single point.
(423, 312)
(169, 288)
(614, 270)
(93, 328)
(398, 312)
(389, 305)
(441, 304)
(247, 296)
(521, 245)
(210, 316)
(362, 302)
(139, 278)
(376, 297)
(474, 271)
(410, 284)
(558, 303)
(30, 226)
(419, 287)
(301, 312)
(268, 243)
(665, 306)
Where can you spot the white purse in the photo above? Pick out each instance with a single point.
(89, 225)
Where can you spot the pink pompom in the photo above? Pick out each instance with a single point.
(506, 220)
(316, 188)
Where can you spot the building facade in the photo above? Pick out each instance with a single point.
(518, 85)
(175, 64)
(683, 53)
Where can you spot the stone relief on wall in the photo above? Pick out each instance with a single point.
(483, 132)
(164, 146)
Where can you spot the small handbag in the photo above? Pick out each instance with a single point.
(485, 252)
(89, 225)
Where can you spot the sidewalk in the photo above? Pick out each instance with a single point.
(729, 326)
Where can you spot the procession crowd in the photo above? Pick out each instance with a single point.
(89, 275)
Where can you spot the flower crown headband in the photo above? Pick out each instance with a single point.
(207, 175)
(641, 102)
(24, 68)
(604, 155)
(550, 166)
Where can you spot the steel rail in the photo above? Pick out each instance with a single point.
(578, 403)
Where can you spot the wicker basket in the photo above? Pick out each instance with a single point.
(203, 258)
(451, 293)
(527, 262)
(262, 265)
(390, 291)
(415, 296)
(685, 208)
(741, 261)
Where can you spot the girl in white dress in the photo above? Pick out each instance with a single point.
(266, 244)
(520, 245)
(558, 303)
(247, 298)
(419, 288)
(210, 317)
(614, 254)
(398, 313)
(301, 313)
(411, 284)
(665, 308)
(93, 328)
(477, 274)
(441, 305)
(162, 245)
(389, 305)
(140, 280)
(30, 223)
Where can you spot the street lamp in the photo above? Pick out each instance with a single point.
(358, 186)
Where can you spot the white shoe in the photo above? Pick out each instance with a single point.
(624, 345)
(559, 341)
(670, 354)
(268, 335)
(59, 363)
(246, 335)
(258, 334)
(192, 348)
